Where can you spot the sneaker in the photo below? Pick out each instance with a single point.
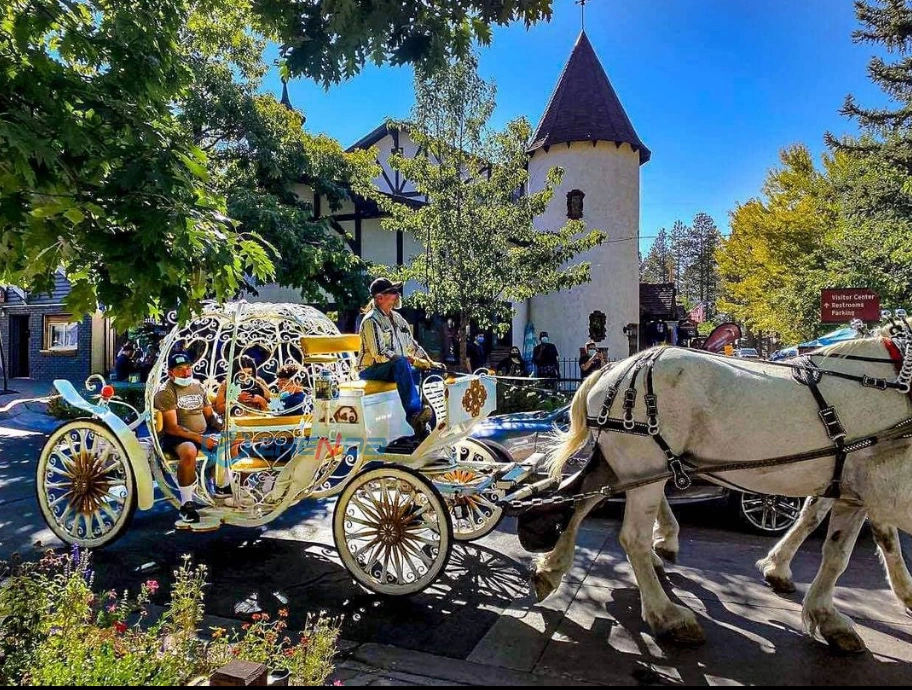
(189, 514)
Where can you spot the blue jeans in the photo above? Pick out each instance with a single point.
(406, 377)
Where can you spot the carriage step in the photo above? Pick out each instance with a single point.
(209, 522)
(513, 476)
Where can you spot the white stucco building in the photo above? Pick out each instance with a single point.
(584, 130)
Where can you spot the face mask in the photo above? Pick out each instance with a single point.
(183, 383)
(515, 355)
(546, 339)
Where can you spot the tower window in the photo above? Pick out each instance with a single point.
(575, 204)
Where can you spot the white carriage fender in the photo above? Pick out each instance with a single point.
(145, 490)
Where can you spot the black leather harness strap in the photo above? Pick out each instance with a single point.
(835, 431)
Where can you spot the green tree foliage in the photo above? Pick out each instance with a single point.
(261, 157)
(96, 174)
(874, 247)
(481, 249)
(332, 40)
(779, 254)
(658, 266)
(699, 281)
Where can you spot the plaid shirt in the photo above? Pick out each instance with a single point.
(383, 337)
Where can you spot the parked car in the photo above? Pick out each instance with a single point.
(747, 353)
(521, 434)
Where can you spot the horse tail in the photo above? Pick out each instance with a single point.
(568, 442)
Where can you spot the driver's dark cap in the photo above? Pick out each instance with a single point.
(384, 286)
(178, 359)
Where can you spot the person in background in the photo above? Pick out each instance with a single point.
(545, 358)
(591, 360)
(513, 364)
(123, 365)
(476, 357)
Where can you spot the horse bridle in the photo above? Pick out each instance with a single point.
(898, 345)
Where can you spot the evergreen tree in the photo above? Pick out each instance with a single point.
(658, 266)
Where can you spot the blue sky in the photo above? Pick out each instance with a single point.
(715, 88)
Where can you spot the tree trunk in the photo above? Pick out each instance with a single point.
(462, 342)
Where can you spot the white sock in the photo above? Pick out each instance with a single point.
(187, 492)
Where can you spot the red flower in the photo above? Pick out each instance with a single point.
(246, 626)
(235, 651)
(283, 613)
(120, 627)
(256, 616)
(289, 652)
(152, 586)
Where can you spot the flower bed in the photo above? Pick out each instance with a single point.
(55, 630)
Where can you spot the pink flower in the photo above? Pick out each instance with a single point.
(256, 616)
(152, 586)
(283, 613)
(111, 594)
(338, 682)
(112, 608)
(120, 627)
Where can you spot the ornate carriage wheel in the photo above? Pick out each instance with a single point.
(475, 516)
(392, 531)
(85, 484)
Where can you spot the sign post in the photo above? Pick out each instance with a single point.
(841, 305)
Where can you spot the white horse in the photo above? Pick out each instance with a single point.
(776, 566)
(718, 410)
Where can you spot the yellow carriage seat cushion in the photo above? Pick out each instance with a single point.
(369, 387)
(330, 344)
(284, 421)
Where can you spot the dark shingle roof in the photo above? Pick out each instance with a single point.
(584, 106)
(657, 300)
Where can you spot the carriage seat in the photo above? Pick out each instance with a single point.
(368, 387)
(324, 349)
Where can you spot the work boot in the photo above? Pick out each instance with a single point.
(420, 421)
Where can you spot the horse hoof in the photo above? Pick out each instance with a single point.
(542, 587)
(846, 642)
(685, 634)
(779, 584)
(667, 555)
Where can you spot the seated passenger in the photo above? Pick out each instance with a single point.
(186, 418)
(389, 351)
(254, 392)
(291, 392)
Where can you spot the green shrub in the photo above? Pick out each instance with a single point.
(135, 397)
(528, 397)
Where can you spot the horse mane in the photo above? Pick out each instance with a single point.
(884, 331)
(849, 347)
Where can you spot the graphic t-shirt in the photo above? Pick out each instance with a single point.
(189, 402)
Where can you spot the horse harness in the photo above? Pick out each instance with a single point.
(806, 372)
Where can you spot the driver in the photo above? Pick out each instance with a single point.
(389, 352)
(186, 417)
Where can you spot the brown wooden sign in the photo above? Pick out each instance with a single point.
(841, 305)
